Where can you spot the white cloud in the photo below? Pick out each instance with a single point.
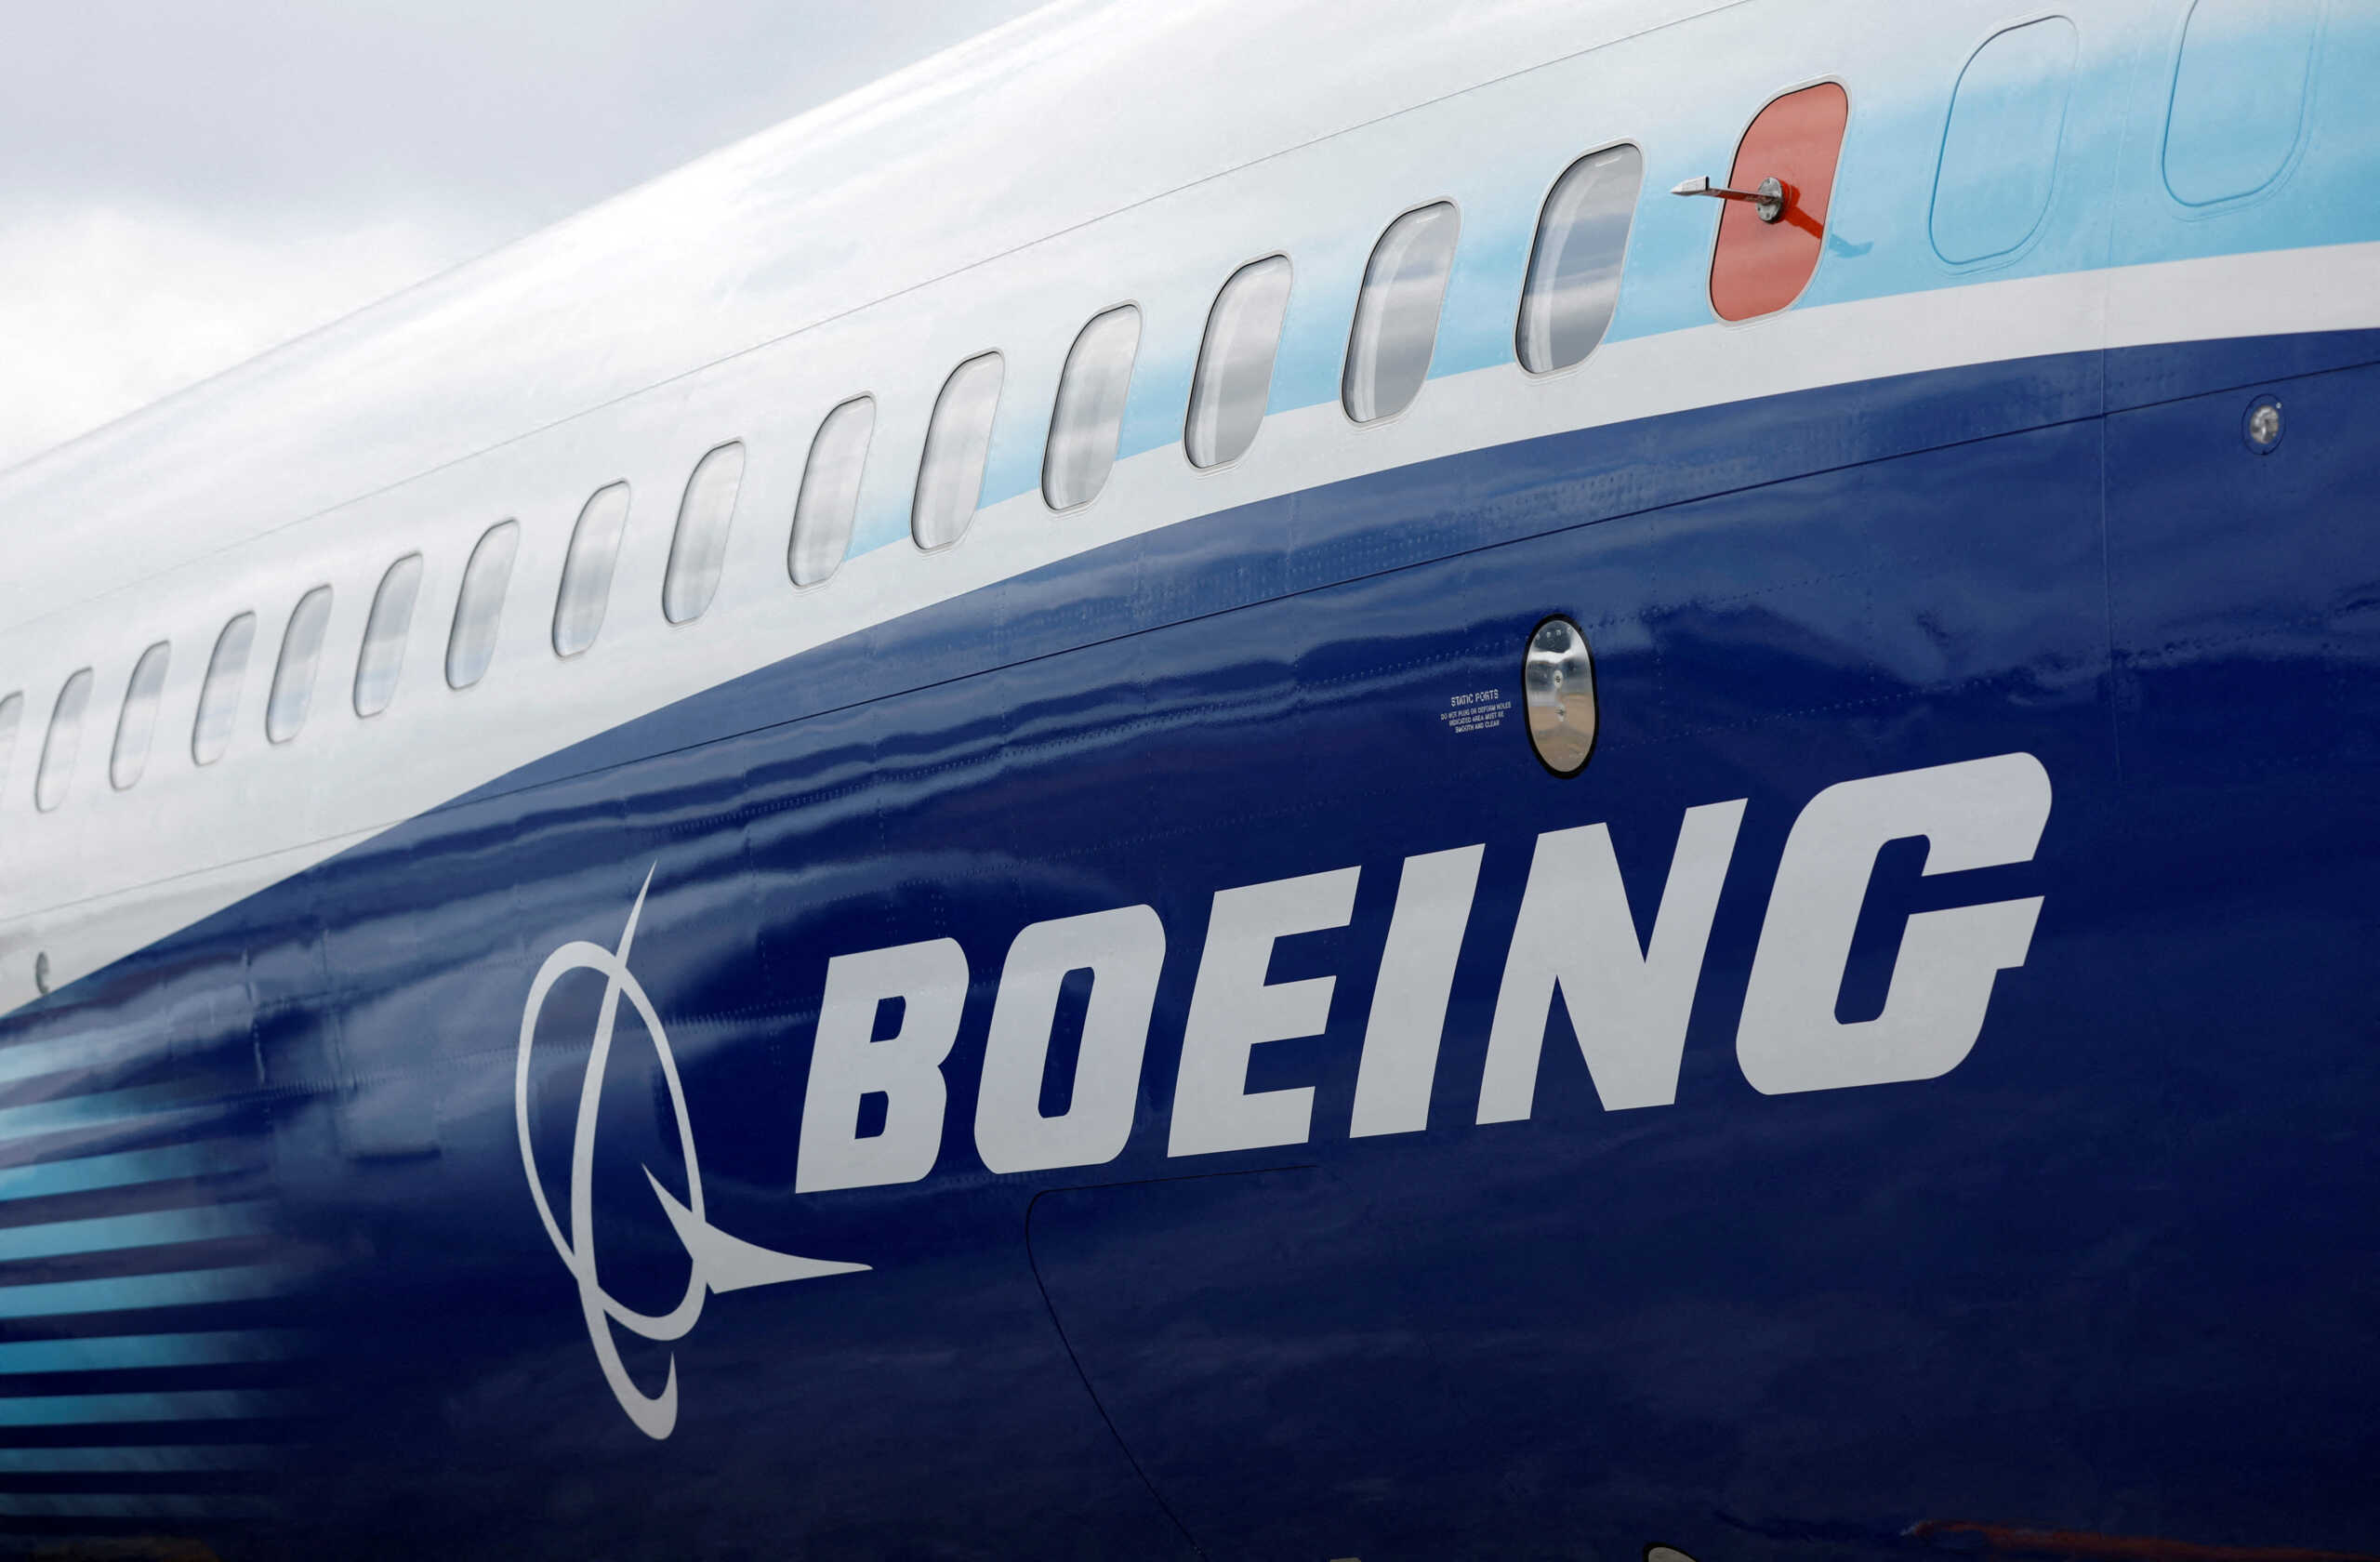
(188, 187)
(104, 309)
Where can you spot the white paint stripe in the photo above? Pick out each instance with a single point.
(2279, 292)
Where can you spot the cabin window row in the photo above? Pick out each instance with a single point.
(1568, 298)
(471, 646)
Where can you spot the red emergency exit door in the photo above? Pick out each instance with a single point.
(1758, 267)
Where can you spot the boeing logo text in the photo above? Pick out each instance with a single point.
(1628, 1002)
(1575, 938)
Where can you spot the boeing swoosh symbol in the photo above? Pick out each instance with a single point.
(722, 1262)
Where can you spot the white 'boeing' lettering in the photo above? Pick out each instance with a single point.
(1575, 937)
(1981, 814)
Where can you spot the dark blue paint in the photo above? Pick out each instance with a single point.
(2114, 1272)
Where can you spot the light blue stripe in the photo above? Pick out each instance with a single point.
(127, 1168)
(122, 1351)
(100, 1106)
(205, 1404)
(186, 1288)
(151, 1228)
(147, 1461)
(84, 1050)
(79, 1504)
(37, 1058)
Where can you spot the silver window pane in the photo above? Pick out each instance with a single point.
(951, 479)
(1574, 270)
(383, 636)
(1396, 317)
(479, 610)
(136, 725)
(293, 676)
(587, 571)
(57, 749)
(218, 700)
(823, 516)
(1234, 374)
(698, 551)
(1089, 419)
(12, 715)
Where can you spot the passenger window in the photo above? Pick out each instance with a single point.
(2239, 102)
(1396, 316)
(1573, 284)
(470, 645)
(137, 724)
(587, 571)
(12, 715)
(1756, 267)
(698, 548)
(219, 699)
(1089, 419)
(293, 676)
(951, 479)
(829, 501)
(383, 636)
(2000, 148)
(1234, 374)
(65, 736)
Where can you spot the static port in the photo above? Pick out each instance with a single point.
(2261, 427)
(1558, 684)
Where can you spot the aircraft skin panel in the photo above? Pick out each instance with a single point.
(1633, 1279)
(1106, 1039)
(123, 842)
(617, 305)
(862, 202)
(2305, 310)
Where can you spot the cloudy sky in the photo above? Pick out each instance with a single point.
(191, 183)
